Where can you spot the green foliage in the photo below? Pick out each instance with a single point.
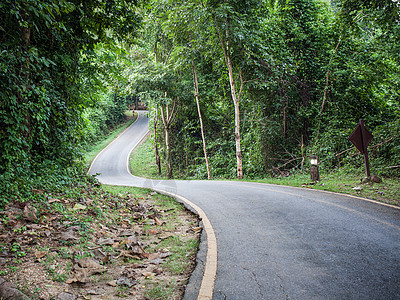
(46, 51)
(385, 150)
(48, 175)
(310, 70)
(106, 115)
(306, 72)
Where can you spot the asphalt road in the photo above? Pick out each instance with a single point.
(278, 242)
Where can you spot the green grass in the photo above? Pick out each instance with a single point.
(133, 191)
(92, 152)
(182, 250)
(160, 291)
(343, 182)
(142, 163)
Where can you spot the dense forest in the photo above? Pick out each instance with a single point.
(236, 88)
(254, 87)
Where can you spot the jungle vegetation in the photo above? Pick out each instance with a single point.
(236, 88)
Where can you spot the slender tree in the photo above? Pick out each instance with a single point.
(222, 19)
(157, 154)
(168, 114)
(196, 94)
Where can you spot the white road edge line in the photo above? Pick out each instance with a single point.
(329, 192)
(90, 168)
(130, 153)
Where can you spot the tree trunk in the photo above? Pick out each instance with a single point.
(25, 67)
(284, 108)
(327, 76)
(168, 152)
(236, 98)
(167, 118)
(237, 140)
(196, 91)
(166, 133)
(158, 162)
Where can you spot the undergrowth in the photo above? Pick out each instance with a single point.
(345, 179)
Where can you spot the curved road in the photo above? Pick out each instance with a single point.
(278, 242)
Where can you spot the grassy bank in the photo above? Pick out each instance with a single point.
(142, 163)
(345, 183)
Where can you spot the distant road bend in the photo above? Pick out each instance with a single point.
(277, 242)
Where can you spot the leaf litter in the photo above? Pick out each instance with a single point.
(97, 245)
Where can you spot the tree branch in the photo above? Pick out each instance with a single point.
(327, 76)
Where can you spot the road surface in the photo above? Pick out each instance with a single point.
(278, 242)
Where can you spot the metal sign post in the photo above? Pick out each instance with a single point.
(360, 138)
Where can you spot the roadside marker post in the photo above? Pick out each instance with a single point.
(314, 170)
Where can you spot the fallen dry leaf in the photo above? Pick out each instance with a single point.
(68, 236)
(130, 254)
(149, 275)
(30, 213)
(165, 235)
(107, 241)
(40, 254)
(153, 256)
(87, 262)
(127, 233)
(126, 281)
(53, 228)
(85, 268)
(129, 241)
(80, 275)
(157, 261)
(138, 249)
(79, 207)
(197, 229)
(159, 223)
(51, 200)
(112, 283)
(152, 232)
(165, 254)
(96, 291)
(157, 271)
(129, 273)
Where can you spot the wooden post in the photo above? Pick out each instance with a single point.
(361, 138)
(314, 170)
(365, 150)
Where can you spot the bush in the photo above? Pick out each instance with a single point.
(100, 119)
